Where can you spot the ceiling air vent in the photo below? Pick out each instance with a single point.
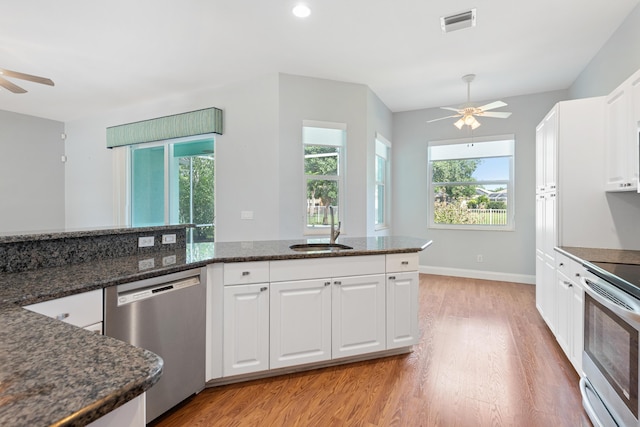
(458, 21)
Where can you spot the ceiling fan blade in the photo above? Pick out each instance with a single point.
(10, 86)
(492, 105)
(451, 109)
(442, 118)
(496, 114)
(29, 77)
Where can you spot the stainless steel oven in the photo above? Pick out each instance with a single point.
(610, 357)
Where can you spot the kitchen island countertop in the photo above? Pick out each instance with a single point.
(52, 373)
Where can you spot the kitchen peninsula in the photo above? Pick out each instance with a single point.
(52, 373)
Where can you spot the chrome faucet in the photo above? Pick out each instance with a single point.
(334, 232)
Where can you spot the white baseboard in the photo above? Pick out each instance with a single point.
(479, 274)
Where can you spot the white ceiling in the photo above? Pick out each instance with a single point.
(105, 54)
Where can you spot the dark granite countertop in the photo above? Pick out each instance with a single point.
(616, 256)
(52, 373)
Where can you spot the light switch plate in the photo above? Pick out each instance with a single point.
(246, 215)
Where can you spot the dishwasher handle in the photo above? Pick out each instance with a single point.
(128, 295)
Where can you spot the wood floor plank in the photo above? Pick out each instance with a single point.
(485, 358)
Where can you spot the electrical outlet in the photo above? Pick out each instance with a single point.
(246, 214)
(479, 258)
(144, 242)
(146, 264)
(168, 238)
(168, 260)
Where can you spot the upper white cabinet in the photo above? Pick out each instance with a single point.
(622, 116)
(546, 154)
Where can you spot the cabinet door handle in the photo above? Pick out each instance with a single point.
(62, 316)
(561, 264)
(262, 289)
(327, 283)
(337, 282)
(405, 263)
(577, 274)
(392, 277)
(246, 273)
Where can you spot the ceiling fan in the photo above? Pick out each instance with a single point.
(22, 76)
(468, 113)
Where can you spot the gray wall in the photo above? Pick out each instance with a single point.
(507, 255)
(614, 63)
(31, 173)
(617, 60)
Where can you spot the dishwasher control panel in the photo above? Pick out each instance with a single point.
(127, 296)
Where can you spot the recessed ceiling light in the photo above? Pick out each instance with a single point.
(301, 11)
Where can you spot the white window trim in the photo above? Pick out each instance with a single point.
(387, 184)
(321, 231)
(511, 224)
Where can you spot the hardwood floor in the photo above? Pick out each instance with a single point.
(485, 358)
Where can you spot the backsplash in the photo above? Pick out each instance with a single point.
(30, 252)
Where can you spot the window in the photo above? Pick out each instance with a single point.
(324, 153)
(172, 182)
(471, 183)
(382, 172)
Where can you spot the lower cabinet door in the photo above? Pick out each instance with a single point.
(358, 315)
(246, 329)
(300, 320)
(402, 309)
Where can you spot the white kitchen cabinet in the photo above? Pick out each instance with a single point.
(300, 322)
(83, 310)
(564, 298)
(570, 334)
(402, 309)
(622, 111)
(246, 329)
(569, 170)
(358, 315)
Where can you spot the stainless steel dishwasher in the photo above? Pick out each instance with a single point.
(165, 315)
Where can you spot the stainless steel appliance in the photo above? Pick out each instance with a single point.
(165, 315)
(610, 358)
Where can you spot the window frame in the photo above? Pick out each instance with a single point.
(316, 230)
(382, 143)
(510, 184)
(170, 191)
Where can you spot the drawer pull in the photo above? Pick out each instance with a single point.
(561, 264)
(327, 283)
(62, 316)
(262, 289)
(392, 277)
(337, 282)
(405, 262)
(245, 273)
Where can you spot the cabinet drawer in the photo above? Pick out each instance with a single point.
(402, 262)
(573, 270)
(302, 269)
(243, 273)
(80, 310)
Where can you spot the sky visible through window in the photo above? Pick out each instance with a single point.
(492, 168)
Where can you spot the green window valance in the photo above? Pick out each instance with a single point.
(208, 120)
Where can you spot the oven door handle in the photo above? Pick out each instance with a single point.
(588, 406)
(630, 315)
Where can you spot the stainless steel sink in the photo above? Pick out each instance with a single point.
(317, 247)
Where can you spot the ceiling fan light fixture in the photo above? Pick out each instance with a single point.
(459, 123)
(475, 125)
